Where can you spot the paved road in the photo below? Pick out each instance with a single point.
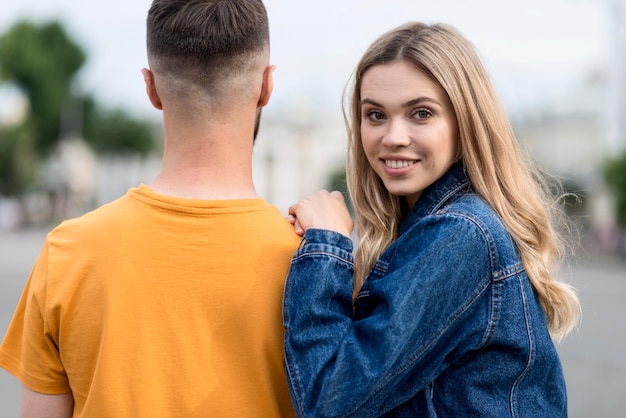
(594, 358)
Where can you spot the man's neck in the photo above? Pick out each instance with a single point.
(193, 188)
(206, 161)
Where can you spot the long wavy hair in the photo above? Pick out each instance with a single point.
(497, 168)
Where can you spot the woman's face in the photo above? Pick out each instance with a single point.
(408, 128)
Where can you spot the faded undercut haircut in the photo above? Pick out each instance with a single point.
(205, 44)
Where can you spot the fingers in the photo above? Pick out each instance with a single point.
(296, 225)
(323, 210)
(337, 195)
(298, 228)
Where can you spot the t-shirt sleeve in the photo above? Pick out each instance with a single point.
(30, 350)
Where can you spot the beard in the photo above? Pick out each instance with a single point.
(257, 124)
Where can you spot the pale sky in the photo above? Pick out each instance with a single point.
(533, 48)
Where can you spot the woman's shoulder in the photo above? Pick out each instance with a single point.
(465, 216)
(472, 209)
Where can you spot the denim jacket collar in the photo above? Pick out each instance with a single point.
(437, 194)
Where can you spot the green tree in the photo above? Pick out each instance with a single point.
(615, 176)
(17, 161)
(113, 131)
(42, 61)
(337, 181)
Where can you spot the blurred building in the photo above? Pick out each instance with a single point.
(296, 154)
(566, 135)
(572, 135)
(616, 123)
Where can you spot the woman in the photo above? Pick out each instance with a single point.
(455, 305)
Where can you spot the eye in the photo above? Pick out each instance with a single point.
(374, 115)
(422, 113)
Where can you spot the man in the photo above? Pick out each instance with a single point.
(167, 301)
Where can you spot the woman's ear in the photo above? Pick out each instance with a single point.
(267, 87)
(151, 91)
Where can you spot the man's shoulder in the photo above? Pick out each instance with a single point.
(273, 225)
(102, 218)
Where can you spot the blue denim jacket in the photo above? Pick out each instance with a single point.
(446, 325)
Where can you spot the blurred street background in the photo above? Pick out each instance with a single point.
(76, 131)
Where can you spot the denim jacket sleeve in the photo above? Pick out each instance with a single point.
(422, 308)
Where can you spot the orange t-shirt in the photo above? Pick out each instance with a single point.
(154, 306)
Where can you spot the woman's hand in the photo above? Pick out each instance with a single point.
(323, 210)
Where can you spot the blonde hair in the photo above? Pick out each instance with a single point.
(493, 160)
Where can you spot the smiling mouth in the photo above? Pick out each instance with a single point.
(399, 163)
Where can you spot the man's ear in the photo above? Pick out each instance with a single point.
(151, 91)
(267, 87)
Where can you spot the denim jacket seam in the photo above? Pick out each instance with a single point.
(497, 273)
(446, 195)
(496, 302)
(484, 232)
(312, 253)
(494, 315)
(298, 389)
(380, 267)
(531, 349)
(508, 271)
(378, 271)
(290, 369)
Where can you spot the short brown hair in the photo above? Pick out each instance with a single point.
(200, 41)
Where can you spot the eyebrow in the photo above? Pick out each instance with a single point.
(410, 103)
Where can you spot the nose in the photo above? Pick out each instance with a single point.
(396, 135)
